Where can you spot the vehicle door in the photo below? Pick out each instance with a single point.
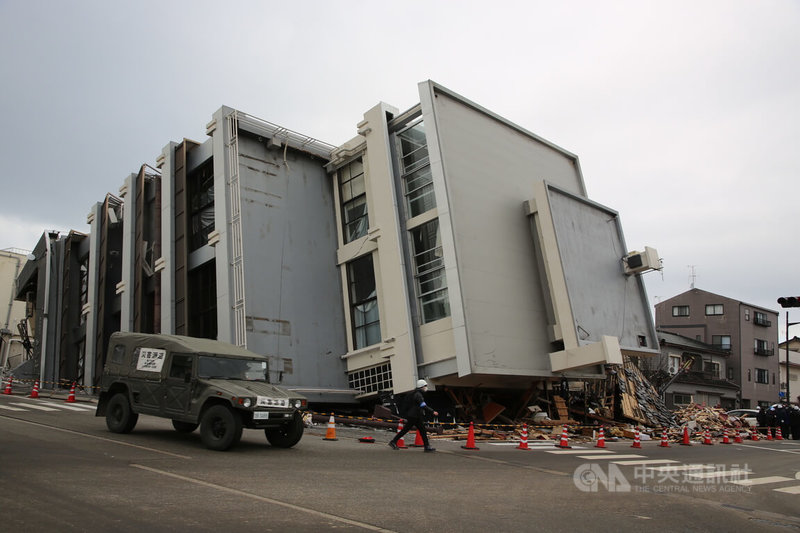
(178, 384)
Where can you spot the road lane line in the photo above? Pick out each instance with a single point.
(238, 492)
(9, 408)
(96, 437)
(789, 490)
(769, 448)
(577, 452)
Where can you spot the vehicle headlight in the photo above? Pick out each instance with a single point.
(247, 402)
(298, 404)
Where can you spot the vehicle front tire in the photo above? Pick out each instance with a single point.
(220, 427)
(184, 427)
(120, 417)
(288, 434)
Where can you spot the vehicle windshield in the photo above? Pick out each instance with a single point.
(230, 368)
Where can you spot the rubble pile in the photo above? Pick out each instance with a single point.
(711, 418)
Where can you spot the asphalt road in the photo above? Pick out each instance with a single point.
(62, 470)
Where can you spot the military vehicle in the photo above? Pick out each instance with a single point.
(196, 382)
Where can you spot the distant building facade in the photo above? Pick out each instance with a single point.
(748, 332)
(12, 311)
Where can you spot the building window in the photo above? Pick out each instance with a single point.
(681, 399)
(353, 195)
(202, 301)
(747, 315)
(721, 342)
(760, 319)
(711, 368)
(761, 347)
(374, 379)
(680, 310)
(363, 302)
(200, 184)
(762, 375)
(429, 272)
(730, 372)
(713, 309)
(415, 170)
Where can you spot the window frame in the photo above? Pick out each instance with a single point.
(347, 200)
(676, 310)
(430, 278)
(714, 309)
(363, 335)
(416, 177)
(762, 376)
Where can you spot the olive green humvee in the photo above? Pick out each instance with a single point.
(196, 382)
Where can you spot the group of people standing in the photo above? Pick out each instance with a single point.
(782, 415)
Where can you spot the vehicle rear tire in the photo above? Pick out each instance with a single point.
(288, 434)
(120, 417)
(184, 427)
(220, 427)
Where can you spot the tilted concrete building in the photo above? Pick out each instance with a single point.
(441, 242)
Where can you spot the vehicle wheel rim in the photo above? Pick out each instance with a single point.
(218, 428)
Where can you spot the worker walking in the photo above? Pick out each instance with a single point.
(413, 410)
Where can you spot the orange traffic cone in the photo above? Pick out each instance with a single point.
(71, 397)
(707, 438)
(401, 443)
(779, 435)
(35, 391)
(636, 442)
(769, 433)
(7, 390)
(686, 441)
(523, 440)
(601, 439)
(754, 434)
(738, 437)
(330, 434)
(564, 439)
(725, 439)
(470, 439)
(418, 441)
(664, 440)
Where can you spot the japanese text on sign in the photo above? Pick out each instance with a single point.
(151, 360)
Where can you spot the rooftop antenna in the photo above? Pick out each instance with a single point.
(692, 276)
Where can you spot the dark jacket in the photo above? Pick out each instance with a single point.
(414, 405)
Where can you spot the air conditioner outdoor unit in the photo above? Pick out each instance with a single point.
(636, 262)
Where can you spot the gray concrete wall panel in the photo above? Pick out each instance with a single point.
(490, 168)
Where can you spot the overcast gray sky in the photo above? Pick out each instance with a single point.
(685, 115)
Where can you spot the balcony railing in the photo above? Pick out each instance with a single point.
(722, 347)
(761, 321)
(764, 351)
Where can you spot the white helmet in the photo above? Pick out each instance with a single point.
(421, 383)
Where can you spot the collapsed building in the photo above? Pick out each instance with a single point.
(442, 242)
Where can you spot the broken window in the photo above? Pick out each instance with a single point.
(353, 194)
(429, 272)
(364, 302)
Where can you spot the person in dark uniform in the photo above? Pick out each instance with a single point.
(794, 421)
(414, 409)
(761, 419)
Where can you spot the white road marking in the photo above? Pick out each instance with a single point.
(37, 407)
(238, 492)
(789, 490)
(9, 408)
(645, 462)
(610, 457)
(760, 480)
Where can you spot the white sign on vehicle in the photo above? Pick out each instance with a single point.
(151, 359)
(260, 415)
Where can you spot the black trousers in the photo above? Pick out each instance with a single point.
(417, 423)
